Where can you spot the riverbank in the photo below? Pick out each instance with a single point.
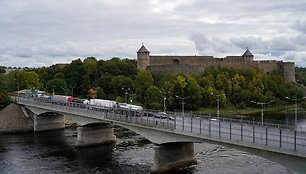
(13, 120)
(272, 112)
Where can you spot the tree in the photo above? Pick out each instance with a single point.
(73, 73)
(153, 98)
(193, 91)
(90, 67)
(120, 84)
(4, 99)
(144, 80)
(85, 85)
(27, 80)
(58, 85)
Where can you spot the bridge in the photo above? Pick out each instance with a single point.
(174, 137)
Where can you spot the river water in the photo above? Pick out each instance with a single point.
(54, 152)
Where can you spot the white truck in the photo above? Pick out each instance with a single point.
(130, 109)
(102, 103)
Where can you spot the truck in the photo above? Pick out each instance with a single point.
(102, 103)
(62, 98)
(132, 109)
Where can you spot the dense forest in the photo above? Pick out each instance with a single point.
(119, 79)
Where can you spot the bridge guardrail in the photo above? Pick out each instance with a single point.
(274, 136)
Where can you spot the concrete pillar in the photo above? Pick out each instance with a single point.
(48, 121)
(172, 156)
(95, 134)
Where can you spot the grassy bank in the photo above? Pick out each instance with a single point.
(271, 112)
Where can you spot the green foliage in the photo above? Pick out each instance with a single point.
(59, 86)
(4, 99)
(153, 98)
(120, 84)
(73, 74)
(143, 81)
(300, 75)
(233, 86)
(26, 80)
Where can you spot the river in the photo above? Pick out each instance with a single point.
(54, 152)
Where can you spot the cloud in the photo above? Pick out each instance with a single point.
(35, 32)
(286, 48)
(300, 25)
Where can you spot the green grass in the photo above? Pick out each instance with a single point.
(272, 112)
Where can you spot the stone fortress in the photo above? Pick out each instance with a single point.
(189, 64)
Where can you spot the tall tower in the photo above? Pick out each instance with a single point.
(143, 58)
(248, 56)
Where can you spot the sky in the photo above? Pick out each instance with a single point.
(36, 33)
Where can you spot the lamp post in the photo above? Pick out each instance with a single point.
(72, 90)
(164, 99)
(183, 103)
(126, 93)
(262, 108)
(53, 86)
(165, 103)
(218, 104)
(295, 109)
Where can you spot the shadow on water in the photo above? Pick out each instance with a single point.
(292, 163)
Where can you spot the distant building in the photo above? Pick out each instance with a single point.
(10, 69)
(188, 64)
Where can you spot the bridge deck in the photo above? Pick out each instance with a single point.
(275, 139)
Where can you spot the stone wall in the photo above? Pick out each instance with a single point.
(13, 120)
(189, 64)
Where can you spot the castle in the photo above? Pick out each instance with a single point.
(189, 64)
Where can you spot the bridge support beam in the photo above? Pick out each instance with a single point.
(48, 121)
(95, 134)
(172, 156)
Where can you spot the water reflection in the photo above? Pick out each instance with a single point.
(54, 152)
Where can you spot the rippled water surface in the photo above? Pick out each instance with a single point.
(54, 152)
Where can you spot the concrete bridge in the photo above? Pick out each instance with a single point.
(174, 137)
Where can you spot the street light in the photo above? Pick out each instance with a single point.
(125, 93)
(72, 90)
(262, 108)
(183, 103)
(53, 89)
(295, 110)
(164, 98)
(218, 104)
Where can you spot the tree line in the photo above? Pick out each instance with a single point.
(120, 80)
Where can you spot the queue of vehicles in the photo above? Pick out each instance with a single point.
(101, 104)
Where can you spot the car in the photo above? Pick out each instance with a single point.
(213, 119)
(161, 115)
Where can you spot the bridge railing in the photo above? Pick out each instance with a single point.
(273, 136)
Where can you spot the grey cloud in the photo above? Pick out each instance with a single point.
(288, 48)
(60, 30)
(300, 25)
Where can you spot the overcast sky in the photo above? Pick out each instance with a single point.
(38, 33)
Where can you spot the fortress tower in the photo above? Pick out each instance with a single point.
(248, 56)
(143, 58)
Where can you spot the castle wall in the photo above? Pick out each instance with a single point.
(190, 64)
(287, 69)
(191, 60)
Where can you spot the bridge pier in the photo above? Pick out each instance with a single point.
(48, 121)
(172, 156)
(95, 134)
